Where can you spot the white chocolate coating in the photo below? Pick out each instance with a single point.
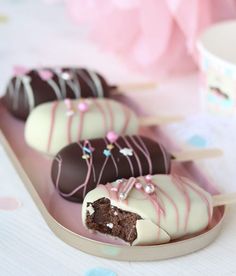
(176, 208)
(51, 126)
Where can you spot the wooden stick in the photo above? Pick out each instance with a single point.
(224, 199)
(193, 155)
(129, 87)
(159, 120)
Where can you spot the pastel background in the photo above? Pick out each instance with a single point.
(34, 33)
(156, 37)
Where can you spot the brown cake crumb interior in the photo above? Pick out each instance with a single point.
(111, 220)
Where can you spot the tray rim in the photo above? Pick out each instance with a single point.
(108, 250)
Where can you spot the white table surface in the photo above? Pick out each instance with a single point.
(38, 35)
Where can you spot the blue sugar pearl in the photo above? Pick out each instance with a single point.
(87, 150)
(106, 152)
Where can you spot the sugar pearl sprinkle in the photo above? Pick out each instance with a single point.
(122, 196)
(106, 152)
(149, 189)
(85, 156)
(20, 71)
(126, 152)
(45, 75)
(110, 147)
(88, 150)
(148, 177)
(70, 113)
(66, 76)
(112, 136)
(138, 186)
(83, 106)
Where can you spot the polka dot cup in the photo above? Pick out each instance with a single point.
(217, 61)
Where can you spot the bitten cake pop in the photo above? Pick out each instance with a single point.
(29, 88)
(80, 167)
(51, 126)
(148, 210)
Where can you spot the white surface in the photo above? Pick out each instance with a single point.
(36, 35)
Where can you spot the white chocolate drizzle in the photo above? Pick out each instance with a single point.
(59, 87)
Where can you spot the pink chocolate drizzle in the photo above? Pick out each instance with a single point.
(89, 163)
(144, 150)
(111, 115)
(136, 140)
(114, 162)
(54, 107)
(69, 123)
(135, 155)
(106, 121)
(81, 125)
(197, 191)
(128, 159)
(127, 114)
(177, 181)
(181, 183)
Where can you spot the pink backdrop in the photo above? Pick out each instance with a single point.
(152, 36)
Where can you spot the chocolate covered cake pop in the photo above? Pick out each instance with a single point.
(80, 167)
(29, 88)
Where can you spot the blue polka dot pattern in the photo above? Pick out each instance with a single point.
(100, 272)
(197, 141)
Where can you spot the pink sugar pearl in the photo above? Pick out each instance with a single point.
(138, 185)
(83, 107)
(112, 136)
(67, 103)
(45, 75)
(20, 70)
(148, 177)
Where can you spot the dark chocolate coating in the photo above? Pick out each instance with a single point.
(16, 97)
(70, 170)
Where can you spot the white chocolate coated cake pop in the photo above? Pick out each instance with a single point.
(148, 210)
(52, 126)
